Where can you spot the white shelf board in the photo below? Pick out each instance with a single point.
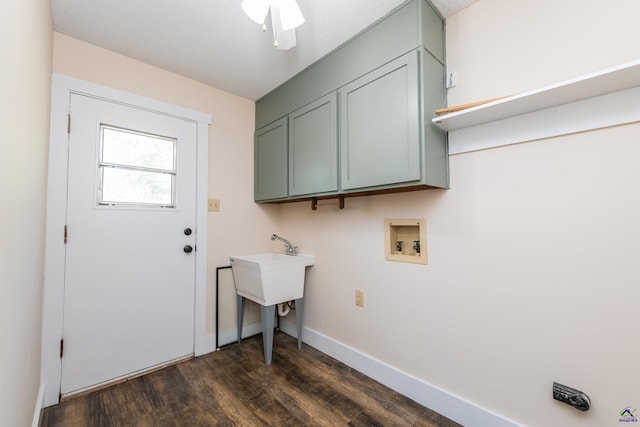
(610, 80)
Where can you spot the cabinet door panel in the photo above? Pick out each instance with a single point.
(271, 161)
(313, 148)
(379, 126)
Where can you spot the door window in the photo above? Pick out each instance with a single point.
(136, 169)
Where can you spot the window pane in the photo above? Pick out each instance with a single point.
(136, 149)
(134, 186)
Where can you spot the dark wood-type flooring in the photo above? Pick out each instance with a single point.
(233, 387)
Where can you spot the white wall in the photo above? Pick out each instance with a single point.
(532, 272)
(25, 75)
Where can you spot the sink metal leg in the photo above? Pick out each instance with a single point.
(240, 302)
(299, 313)
(268, 314)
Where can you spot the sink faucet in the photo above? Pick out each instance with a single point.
(290, 249)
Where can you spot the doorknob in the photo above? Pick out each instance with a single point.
(187, 249)
(187, 231)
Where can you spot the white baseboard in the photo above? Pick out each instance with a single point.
(441, 401)
(37, 412)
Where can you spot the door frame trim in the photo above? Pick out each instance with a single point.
(54, 273)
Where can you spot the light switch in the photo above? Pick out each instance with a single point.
(214, 205)
(359, 298)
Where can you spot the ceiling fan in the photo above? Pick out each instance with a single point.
(285, 18)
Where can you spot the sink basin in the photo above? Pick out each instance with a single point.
(270, 278)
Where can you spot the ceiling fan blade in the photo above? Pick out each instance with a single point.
(257, 10)
(290, 14)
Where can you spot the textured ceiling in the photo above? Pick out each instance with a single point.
(214, 42)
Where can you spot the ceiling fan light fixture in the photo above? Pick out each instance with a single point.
(257, 10)
(285, 18)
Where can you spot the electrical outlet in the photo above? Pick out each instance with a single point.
(214, 205)
(359, 298)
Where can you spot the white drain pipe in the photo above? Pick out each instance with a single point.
(283, 309)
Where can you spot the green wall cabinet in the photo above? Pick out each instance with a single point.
(380, 126)
(313, 148)
(359, 120)
(270, 162)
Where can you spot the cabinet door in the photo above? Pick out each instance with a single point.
(271, 161)
(380, 126)
(313, 148)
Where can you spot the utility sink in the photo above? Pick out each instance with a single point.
(270, 278)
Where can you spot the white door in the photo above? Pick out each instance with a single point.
(129, 279)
